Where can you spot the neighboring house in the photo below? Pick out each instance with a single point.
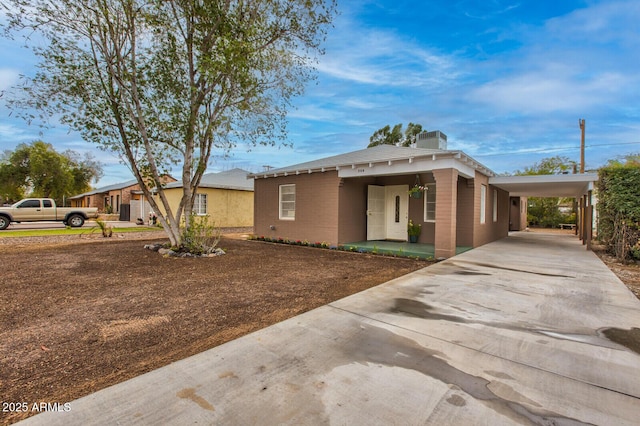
(125, 199)
(364, 195)
(226, 197)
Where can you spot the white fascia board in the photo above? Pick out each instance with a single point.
(407, 166)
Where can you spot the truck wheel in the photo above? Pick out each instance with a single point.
(4, 222)
(75, 221)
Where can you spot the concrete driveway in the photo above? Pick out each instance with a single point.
(509, 333)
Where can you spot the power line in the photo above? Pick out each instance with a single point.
(565, 148)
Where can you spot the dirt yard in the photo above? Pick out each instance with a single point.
(629, 273)
(78, 315)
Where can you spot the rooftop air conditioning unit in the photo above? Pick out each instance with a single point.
(432, 140)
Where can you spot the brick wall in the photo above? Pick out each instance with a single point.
(352, 209)
(466, 212)
(446, 212)
(484, 233)
(316, 216)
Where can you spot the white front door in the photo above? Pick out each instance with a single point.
(376, 224)
(397, 211)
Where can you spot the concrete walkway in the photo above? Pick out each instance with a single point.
(509, 333)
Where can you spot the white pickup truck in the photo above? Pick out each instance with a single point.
(44, 209)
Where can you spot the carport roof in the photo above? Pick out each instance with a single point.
(546, 185)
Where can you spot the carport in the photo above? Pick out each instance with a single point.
(577, 186)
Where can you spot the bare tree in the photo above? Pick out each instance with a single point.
(167, 82)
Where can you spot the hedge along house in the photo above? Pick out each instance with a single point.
(225, 197)
(364, 195)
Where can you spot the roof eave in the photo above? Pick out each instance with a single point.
(458, 155)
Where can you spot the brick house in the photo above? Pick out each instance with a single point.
(125, 199)
(364, 195)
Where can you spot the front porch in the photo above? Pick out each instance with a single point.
(400, 248)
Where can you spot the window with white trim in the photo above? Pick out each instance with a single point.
(483, 203)
(287, 197)
(200, 205)
(430, 203)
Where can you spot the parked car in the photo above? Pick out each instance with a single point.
(45, 209)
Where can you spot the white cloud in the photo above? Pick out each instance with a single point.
(8, 78)
(547, 91)
(601, 24)
(377, 57)
(576, 62)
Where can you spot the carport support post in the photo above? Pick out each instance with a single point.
(446, 212)
(581, 219)
(588, 220)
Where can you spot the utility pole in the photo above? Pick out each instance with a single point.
(582, 126)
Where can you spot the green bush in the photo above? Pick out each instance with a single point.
(200, 236)
(619, 209)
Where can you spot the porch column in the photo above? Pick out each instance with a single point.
(446, 212)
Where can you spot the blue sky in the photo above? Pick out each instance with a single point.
(506, 81)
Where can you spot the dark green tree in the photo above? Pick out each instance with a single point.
(167, 82)
(395, 136)
(411, 133)
(38, 170)
(386, 136)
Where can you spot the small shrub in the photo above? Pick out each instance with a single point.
(200, 236)
(107, 230)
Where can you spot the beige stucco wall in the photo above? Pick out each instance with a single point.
(225, 207)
